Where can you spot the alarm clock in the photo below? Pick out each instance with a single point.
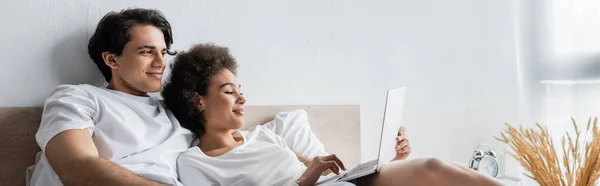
(484, 160)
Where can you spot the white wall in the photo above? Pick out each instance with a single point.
(456, 57)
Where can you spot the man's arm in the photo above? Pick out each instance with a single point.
(74, 157)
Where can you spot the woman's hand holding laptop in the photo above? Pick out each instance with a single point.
(402, 146)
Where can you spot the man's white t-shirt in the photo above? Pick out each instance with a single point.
(262, 159)
(136, 132)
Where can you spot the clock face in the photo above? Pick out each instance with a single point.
(488, 165)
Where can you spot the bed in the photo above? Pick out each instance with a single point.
(337, 127)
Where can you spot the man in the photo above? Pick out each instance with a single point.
(116, 135)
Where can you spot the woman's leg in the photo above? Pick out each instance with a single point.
(426, 172)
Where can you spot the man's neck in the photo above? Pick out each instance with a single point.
(123, 87)
(216, 142)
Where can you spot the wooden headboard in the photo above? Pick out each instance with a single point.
(337, 126)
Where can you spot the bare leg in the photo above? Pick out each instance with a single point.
(426, 172)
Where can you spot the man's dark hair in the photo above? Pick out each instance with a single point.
(191, 72)
(112, 33)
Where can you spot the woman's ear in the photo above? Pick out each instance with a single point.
(198, 100)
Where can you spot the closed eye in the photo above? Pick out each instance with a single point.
(241, 93)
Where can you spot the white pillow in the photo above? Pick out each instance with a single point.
(295, 130)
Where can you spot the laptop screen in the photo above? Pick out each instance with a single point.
(392, 121)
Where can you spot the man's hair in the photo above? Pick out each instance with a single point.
(112, 33)
(191, 72)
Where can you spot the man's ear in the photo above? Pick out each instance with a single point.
(110, 60)
(199, 101)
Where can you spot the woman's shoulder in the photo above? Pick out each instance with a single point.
(259, 131)
(191, 154)
(262, 134)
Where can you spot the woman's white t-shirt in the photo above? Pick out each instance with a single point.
(263, 159)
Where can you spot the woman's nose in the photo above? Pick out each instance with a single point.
(241, 100)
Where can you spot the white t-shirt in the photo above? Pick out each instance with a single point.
(135, 132)
(263, 159)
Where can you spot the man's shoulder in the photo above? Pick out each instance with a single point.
(73, 89)
(70, 94)
(86, 90)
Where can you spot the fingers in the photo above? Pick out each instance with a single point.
(400, 135)
(326, 172)
(402, 147)
(333, 157)
(401, 131)
(400, 138)
(402, 141)
(406, 149)
(402, 144)
(333, 166)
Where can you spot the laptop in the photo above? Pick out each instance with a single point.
(392, 121)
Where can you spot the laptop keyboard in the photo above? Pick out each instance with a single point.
(368, 166)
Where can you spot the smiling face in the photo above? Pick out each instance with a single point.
(223, 104)
(139, 69)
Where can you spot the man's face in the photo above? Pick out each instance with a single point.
(139, 69)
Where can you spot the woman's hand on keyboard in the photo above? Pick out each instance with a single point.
(317, 166)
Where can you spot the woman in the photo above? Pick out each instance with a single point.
(204, 95)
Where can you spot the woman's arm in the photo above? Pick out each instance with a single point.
(303, 159)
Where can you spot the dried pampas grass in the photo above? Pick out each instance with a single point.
(534, 149)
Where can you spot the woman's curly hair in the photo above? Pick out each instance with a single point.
(191, 72)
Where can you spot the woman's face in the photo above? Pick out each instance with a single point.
(223, 105)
